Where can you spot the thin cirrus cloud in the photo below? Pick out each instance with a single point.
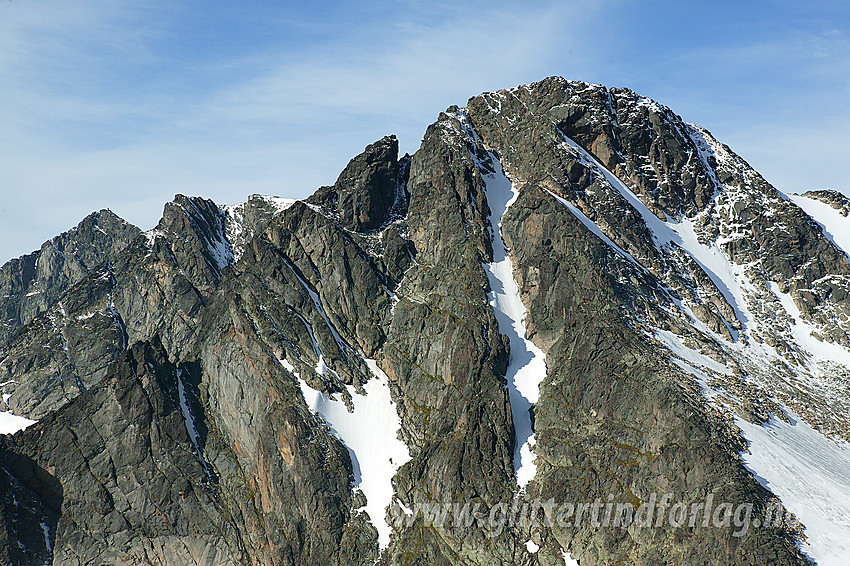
(122, 105)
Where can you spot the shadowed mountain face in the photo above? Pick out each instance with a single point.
(564, 280)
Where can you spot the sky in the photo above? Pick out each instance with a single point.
(123, 104)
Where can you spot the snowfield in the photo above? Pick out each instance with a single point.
(11, 423)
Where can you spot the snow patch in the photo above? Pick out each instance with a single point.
(809, 472)
(532, 548)
(234, 221)
(10, 424)
(371, 434)
(279, 203)
(151, 236)
(673, 343)
(87, 315)
(221, 251)
(802, 332)
(568, 560)
(288, 366)
(188, 417)
(811, 476)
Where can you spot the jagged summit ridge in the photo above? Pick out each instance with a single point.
(683, 308)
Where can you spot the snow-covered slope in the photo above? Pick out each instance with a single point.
(809, 472)
(836, 226)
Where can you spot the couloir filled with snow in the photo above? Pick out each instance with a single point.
(527, 366)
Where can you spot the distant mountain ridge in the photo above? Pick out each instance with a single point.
(568, 293)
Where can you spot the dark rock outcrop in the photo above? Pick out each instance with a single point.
(366, 190)
(833, 198)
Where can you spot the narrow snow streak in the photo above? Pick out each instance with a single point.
(46, 532)
(715, 263)
(289, 367)
(371, 434)
(594, 228)
(321, 366)
(342, 345)
(527, 366)
(673, 343)
(188, 417)
(711, 259)
(808, 472)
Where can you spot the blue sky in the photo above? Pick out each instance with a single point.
(122, 104)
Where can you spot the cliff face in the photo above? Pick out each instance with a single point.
(567, 293)
(31, 284)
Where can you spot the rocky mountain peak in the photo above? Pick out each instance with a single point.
(31, 284)
(196, 228)
(567, 294)
(367, 189)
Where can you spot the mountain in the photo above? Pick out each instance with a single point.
(571, 328)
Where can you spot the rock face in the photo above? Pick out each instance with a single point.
(31, 284)
(365, 192)
(192, 383)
